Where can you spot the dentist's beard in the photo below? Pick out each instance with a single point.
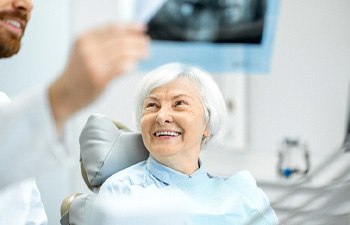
(10, 43)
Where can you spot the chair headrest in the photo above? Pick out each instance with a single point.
(105, 149)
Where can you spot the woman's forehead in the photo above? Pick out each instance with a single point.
(181, 86)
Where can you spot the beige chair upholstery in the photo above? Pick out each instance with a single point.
(106, 147)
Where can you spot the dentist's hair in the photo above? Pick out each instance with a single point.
(211, 97)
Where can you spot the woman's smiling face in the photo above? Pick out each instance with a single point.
(173, 121)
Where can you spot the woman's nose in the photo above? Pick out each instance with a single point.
(164, 116)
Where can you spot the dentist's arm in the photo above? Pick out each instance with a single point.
(98, 56)
(29, 125)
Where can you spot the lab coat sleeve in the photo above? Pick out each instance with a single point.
(20, 204)
(36, 214)
(30, 144)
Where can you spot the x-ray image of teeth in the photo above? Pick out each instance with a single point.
(228, 21)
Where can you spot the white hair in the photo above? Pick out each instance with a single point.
(215, 111)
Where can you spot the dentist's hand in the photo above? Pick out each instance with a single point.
(97, 57)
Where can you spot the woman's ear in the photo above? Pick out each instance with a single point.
(206, 133)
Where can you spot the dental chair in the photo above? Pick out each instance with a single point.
(106, 147)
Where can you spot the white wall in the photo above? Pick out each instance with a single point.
(305, 93)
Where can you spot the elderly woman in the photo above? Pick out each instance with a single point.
(179, 109)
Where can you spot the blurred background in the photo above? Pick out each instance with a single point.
(302, 95)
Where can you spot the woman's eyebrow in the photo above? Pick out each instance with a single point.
(181, 96)
(150, 97)
(176, 96)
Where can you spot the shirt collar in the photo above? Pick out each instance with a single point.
(170, 176)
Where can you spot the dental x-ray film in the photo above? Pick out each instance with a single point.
(227, 21)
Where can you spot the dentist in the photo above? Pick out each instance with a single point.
(31, 127)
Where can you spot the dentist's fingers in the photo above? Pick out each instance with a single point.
(97, 57)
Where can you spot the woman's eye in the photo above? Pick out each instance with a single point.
(151, 105)
(181, 102)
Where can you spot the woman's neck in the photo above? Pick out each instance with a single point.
(185, 165)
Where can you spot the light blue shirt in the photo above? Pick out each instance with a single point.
(233, 200)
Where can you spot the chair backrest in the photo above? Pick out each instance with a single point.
(106, 147)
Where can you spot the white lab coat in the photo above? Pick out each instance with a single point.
(29, 143)
(20, 203)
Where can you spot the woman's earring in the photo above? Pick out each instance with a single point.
(204, 139)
